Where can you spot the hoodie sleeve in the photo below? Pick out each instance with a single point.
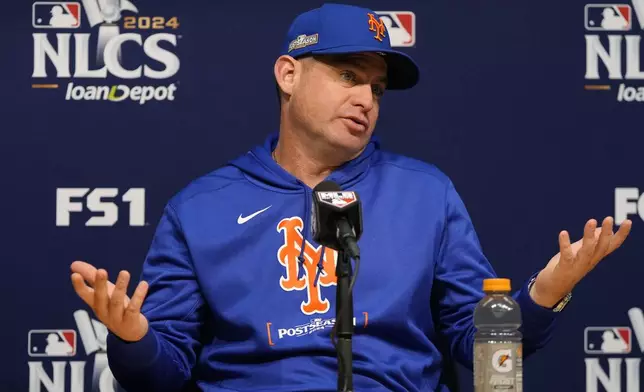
(458, 286)
(162, 360)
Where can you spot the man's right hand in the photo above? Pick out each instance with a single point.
(112, 307)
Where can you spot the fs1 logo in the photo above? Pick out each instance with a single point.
(55, 60)
(615, 341)
(70, 200)
(628, 201)
(53, 375)
(616, 49)
(401, 26)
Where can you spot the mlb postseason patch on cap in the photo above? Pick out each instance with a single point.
(303, 41)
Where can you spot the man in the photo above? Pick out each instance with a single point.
(237, 297)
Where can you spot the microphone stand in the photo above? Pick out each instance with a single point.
(344, 322)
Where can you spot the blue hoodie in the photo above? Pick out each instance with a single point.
(242, 299)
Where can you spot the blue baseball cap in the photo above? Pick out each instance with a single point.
(341, 29)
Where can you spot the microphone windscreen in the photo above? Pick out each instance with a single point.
(327, 186)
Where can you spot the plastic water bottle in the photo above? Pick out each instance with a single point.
(498, 342)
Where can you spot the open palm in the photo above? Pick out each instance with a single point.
(574, 261)
(112, 307)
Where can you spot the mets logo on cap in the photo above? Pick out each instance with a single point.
(377, 25)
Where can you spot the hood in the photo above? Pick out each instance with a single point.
(259, 168)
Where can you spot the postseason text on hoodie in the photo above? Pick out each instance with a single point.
(242, 299)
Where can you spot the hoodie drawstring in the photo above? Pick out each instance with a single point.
(300, 258)
(305, 220)
(320, 266)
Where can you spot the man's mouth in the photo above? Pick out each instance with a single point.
(358, 121)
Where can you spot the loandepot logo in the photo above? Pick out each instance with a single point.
(103, 50)
(614, 42)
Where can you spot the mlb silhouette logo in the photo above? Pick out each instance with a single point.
(401, 26)
(608, 17)
(338, 199)
(56, 15)
(607, 340)
(52, 343)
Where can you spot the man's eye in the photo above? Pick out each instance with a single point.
(348, 76)
(378, 90)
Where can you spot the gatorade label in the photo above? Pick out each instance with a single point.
(498, 367)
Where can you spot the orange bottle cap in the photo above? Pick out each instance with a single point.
(498, 284)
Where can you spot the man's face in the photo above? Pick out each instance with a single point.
(337, 98)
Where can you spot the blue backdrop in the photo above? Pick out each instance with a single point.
(534, 111)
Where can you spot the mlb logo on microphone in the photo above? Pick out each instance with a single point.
(607, 340)
(56, 15)
(52, 343)
(608, 17)
(338, 199)
(401, 26)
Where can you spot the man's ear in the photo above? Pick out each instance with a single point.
(286, 71)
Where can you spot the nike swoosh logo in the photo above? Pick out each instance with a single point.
(243, 219)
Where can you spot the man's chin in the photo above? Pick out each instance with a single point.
(350, 144)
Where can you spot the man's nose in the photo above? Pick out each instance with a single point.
(363, 96)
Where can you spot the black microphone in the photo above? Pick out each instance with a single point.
(336, 220)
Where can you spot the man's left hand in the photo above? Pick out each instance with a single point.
(576, 260)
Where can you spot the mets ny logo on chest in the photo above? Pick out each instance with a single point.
(318, 269)
(315, 271)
